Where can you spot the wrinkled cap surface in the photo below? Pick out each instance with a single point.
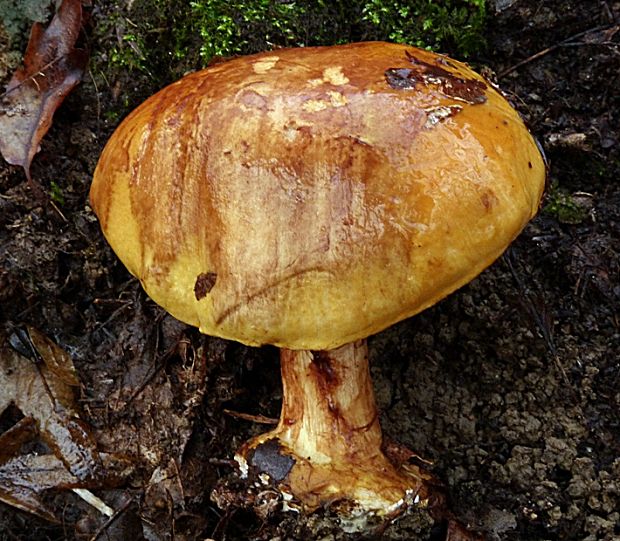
(310, 197)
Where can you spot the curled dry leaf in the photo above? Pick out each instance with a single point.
(52, 68)
(38, 392)
(34, 344)
(23, 477)
(39, 379)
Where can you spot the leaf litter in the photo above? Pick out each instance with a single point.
(38, 378)
(52, 67)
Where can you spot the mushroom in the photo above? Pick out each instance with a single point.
(308, 198)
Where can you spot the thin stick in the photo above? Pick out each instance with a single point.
(96, 502)
(110, 520)
(254, 418)
(548, 50)
(538, 319)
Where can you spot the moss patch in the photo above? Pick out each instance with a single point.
(17, 15)
(563, 207)
(239, 27)
(160, 40)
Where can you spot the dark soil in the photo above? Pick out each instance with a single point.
(511, 386)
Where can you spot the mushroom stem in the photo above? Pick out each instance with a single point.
(327, 445)
(328, 404)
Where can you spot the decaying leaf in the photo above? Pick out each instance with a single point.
(165, 486)
(23, 477)
(39, 379)
(12, 440)
(34, 344)
(39, 393)
(52, 68)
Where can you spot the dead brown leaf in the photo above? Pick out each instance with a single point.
(52, 68)
(56, 359)
(165, 488)
(12, 440)
(38, 392)
(38, 377)
(23, 477)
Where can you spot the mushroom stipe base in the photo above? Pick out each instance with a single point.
(327, 446)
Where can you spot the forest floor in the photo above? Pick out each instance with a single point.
(510, 386)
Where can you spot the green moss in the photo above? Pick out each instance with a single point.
(18, 15)
(156, 36)
(457, 26)
(145, 44)
(238, 27)
(130, 53)
(563, 207)
(228, 28)
(56, 193)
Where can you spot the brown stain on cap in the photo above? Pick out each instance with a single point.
(451, 84)
(204, 284)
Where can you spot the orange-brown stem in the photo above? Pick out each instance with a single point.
(327, 445)
(328, 409)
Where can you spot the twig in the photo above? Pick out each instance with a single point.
(538, 319)
(112, 315)
(39, 73)
(160, 364)
(254, 418)
(96, 502)
(225, 462)
(92, 79)
(59, 212)
(222, 524)
(111, 519)
(548, 50)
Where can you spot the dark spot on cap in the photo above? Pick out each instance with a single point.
(268, 458)
(204, 283)
(529, 164)
(471, 91)
(400, 78)
(488, 200)
(445, 62)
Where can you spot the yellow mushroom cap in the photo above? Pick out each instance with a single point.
(311, 197)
